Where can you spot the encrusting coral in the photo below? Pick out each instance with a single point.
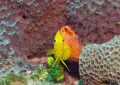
(73, 41)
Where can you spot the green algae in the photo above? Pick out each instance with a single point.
(12, 77)
(48, 74)
(40, 73)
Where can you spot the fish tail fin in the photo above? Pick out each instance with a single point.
(65, 64)
(50, 51)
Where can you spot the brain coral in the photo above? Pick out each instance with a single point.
(101, 61)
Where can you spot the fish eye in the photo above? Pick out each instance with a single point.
(62, 40)
(54, 40)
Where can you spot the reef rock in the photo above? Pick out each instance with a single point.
(27, 28)
(100, 63)
(95, 21)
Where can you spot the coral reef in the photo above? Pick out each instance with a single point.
(73, 41)
(100, 62)
(95, 21)
(25, 28)
(25, 25)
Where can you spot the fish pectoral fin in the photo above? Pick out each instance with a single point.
(55, 62)
(64, 64)
(50, 51)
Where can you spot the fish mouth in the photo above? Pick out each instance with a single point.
(36, 59)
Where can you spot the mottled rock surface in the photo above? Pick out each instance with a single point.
(95, 21)
(27, 27)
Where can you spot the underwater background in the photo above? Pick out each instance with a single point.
(90, 29)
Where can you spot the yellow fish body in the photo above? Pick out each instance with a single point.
(61, 50)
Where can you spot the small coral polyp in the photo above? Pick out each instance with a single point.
(101, 61)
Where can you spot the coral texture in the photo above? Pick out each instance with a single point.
(95, 21)
(101, 61)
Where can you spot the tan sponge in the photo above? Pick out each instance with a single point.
(101, 60)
